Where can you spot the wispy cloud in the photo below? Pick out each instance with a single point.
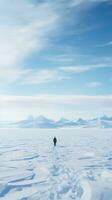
(85, 68)
(60, 73)
(24, 28)
(75, 69)
(107, 44)
(43, 76)
(78, 2)
(94, 84)
(59, 99)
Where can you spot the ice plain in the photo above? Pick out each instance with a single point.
(80, 167)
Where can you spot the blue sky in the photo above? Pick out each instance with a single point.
(55, 58)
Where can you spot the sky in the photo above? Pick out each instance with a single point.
(55, 58)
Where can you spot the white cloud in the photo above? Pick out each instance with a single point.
(17, 107)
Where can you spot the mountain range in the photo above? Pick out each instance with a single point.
(44, 122)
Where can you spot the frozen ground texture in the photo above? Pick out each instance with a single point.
(79, 168)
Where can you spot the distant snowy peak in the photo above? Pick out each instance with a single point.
(36, 122)
(106, 118)
(81, 122)
(65, 122)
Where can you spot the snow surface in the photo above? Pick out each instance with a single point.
(79, 167)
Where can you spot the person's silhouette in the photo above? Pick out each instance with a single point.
(55, 141)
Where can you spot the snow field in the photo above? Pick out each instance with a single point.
(80, 167)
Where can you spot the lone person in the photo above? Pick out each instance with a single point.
(55, 141)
